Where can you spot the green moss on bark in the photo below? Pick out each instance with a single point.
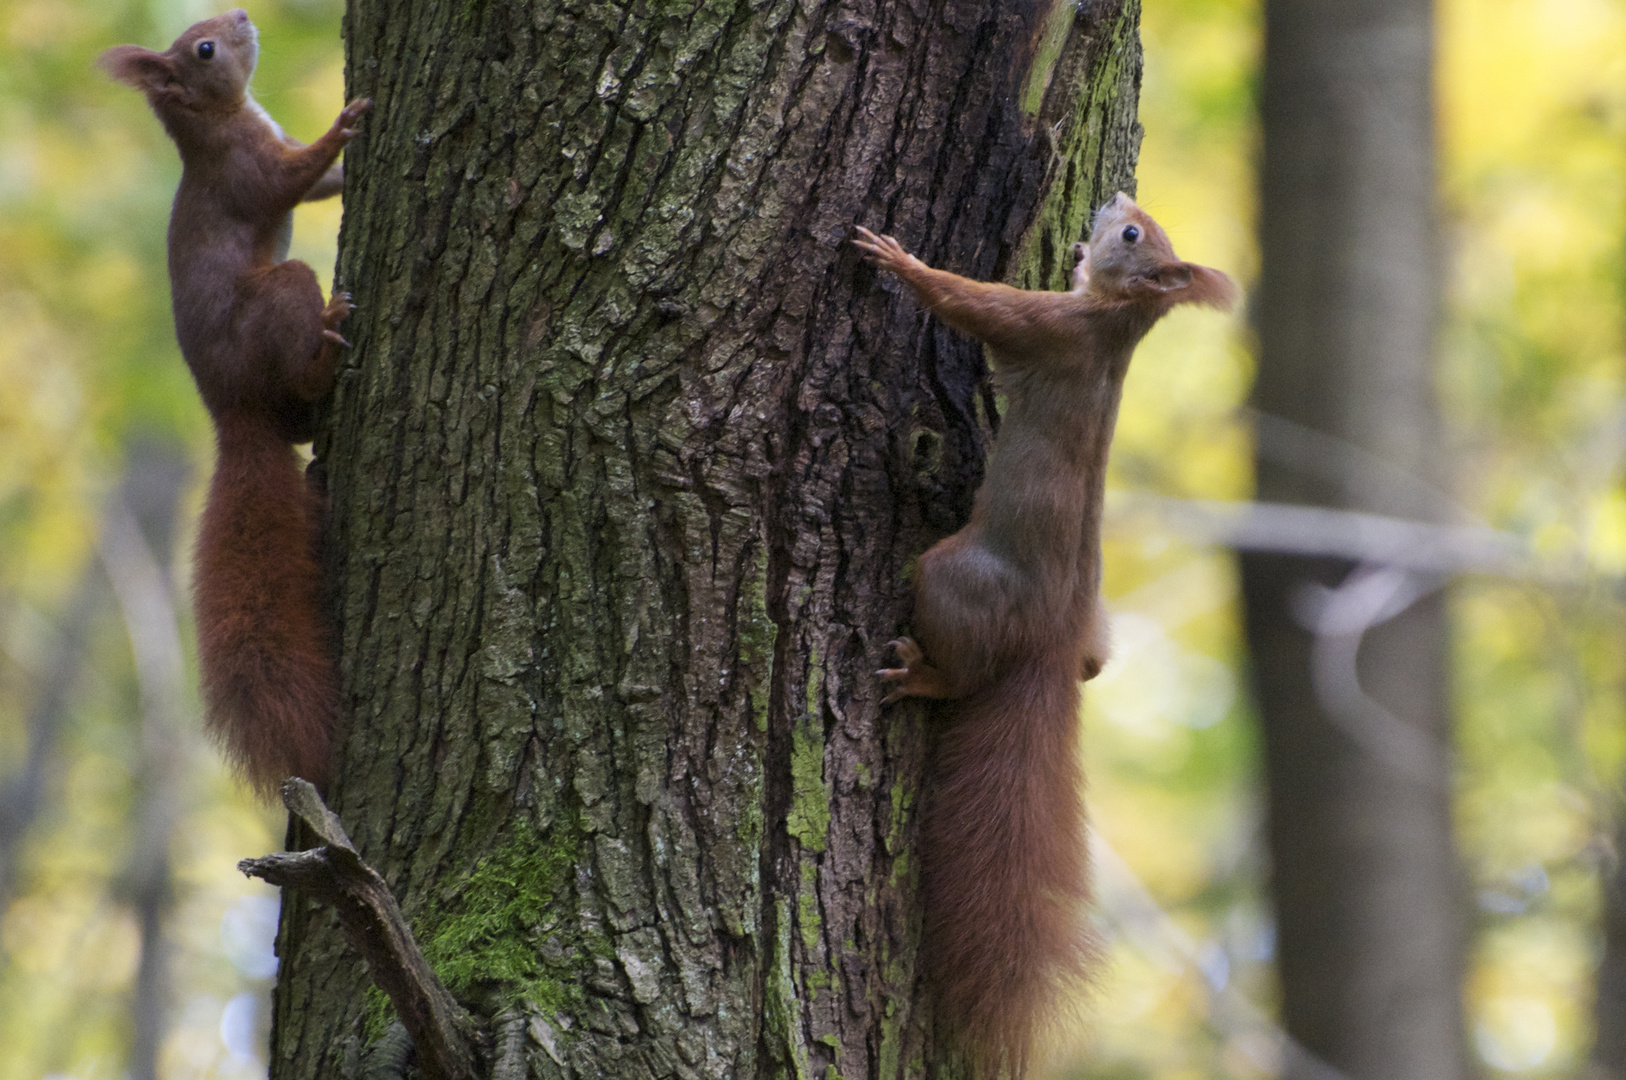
(809, 817)
(503, 936)
(783, 1017)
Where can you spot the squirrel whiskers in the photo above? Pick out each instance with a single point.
(1009, 621)
(263, 349)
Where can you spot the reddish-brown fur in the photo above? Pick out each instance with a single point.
(262, 643)
(262, 347)
(1009, 619)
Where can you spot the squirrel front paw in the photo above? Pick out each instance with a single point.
(345, 125)
(885, 252)
(1081, 266)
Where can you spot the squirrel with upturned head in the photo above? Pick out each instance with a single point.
(263, 349)
(1009, 622)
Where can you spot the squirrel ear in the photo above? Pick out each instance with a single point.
(1164, 282)
(1209, 286)
(143, 69)
(1171, 278)
(1188, 283)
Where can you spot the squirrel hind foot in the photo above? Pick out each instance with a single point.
(337, 310)
(915, 678)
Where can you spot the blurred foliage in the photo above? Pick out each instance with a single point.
(1533, 107)
(1532, 100)
(1534, 173)
(88, 367)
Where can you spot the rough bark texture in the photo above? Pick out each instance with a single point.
(626, 471)
(1357, 761)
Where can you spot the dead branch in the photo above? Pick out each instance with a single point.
(442, 1033)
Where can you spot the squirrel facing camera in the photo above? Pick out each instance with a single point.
(263, 348)
(1009, 623)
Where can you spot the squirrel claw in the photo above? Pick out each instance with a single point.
(883, 251)
(907, 651)
(894, 675)
(337, 310)
(345, 125)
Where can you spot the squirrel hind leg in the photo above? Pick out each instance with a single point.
(289, 325)
(970, 611)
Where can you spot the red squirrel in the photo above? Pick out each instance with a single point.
(262, 348)
(1009, 620)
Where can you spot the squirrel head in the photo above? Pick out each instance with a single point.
(206, 70)
(1129, 260)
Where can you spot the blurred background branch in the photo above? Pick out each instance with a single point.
(1287, 528)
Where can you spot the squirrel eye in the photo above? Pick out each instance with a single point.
(1131, 234)
(206, 50)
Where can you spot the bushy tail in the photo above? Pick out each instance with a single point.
(1004, 866)
(269, 683)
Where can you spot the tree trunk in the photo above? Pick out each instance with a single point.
(1357, 754)
(1608, 1058)
(626, 471)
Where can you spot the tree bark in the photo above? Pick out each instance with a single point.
(1352, 684)
(626, 471)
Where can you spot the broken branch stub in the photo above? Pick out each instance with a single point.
(443, 1034)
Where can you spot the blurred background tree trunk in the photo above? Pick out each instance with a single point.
(137, 551)
(1351, 663)
(1609, 1007)
(626, 470)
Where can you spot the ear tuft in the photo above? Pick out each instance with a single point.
(143, 69)
(1210, 287)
